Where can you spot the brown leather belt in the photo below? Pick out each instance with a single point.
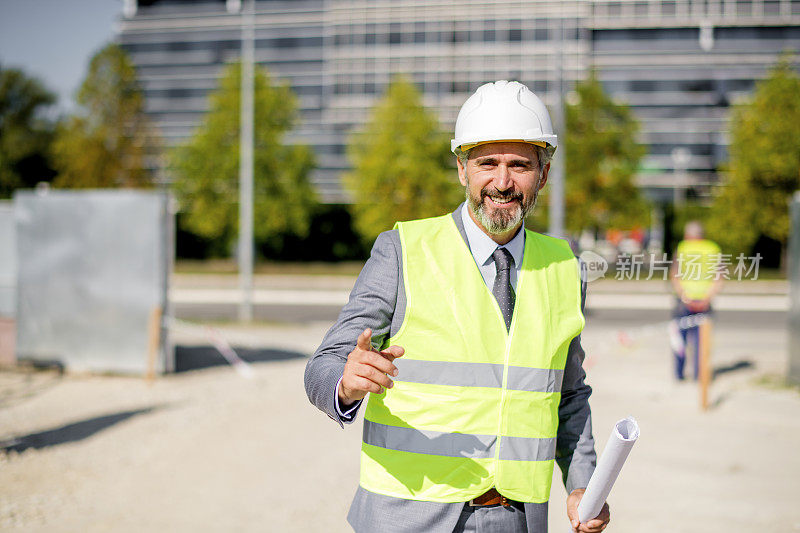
(492, 497)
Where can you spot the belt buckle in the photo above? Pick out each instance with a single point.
(503, 501)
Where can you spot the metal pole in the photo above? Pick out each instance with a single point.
(557, 170)
(704, 360)
(793, 274)
(246, 165)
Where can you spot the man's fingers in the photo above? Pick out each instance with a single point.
(380, 362)
(364, 340)
(375, 375)
(590, 527)
(393, 352)
(366, 385)
(599, 523)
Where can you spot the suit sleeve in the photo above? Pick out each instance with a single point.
(372, 305)
(575, 452)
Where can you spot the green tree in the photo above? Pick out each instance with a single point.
(402, 166)
(25, 134)
(602, 156)
(206, 169)
(764, 164)
(107, 142)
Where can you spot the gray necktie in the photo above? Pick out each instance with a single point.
(502, 290)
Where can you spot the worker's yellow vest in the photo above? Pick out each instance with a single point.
(474, 405)
(697, 259)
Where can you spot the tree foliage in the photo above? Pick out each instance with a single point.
(206, 169)
(764, 164)
(106, 143)
(602, 156)
(402, 166)
(25, 134)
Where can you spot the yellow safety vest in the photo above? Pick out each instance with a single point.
(697, 259)
(474, 405)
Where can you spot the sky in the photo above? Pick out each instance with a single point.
(53, 40)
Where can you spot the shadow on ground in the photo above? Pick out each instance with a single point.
(196, 357)
(70, 433)
(732, 367)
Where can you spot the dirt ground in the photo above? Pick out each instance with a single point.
(209, 450)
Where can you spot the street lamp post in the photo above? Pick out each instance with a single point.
(680, 162)
(246, 164)
(556, 222)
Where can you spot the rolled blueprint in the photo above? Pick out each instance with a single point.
(624, 435)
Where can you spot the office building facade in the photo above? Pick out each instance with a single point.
(680, 65)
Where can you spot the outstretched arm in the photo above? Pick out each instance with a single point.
(371, 305)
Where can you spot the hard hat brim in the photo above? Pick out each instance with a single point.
(464, 146)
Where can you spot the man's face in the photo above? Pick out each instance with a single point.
(502, 181)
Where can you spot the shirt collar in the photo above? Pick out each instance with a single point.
(482, 246)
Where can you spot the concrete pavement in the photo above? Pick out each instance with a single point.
(209, 450)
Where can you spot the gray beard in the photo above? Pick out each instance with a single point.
(499, 222)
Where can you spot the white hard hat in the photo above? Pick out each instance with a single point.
(503, 111)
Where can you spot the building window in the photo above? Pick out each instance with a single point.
(744, 7)
(643, 85)
(515, 31)
(772, 7)
(395, 37)
(459, 87)
(489, 33)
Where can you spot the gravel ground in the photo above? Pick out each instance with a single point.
(209, 450)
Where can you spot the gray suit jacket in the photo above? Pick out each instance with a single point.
(378, 301)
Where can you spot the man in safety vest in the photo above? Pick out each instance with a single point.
(465, 329)
(696, 279)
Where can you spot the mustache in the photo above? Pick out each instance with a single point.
(502, 195)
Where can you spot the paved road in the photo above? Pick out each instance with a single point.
(294, 313)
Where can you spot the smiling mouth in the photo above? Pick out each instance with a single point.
(503, 199)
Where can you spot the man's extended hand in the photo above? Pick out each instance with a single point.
(366, 369)
(595, 525)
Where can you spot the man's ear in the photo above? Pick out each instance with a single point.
(543, 179)
(462, 172)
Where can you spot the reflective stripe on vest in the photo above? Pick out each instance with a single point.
(463, 374)
(474, 405)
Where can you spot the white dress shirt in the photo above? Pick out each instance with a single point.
(482, 247)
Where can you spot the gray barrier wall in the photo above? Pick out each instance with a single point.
(8, 260)
(92, 267)
(794, 291)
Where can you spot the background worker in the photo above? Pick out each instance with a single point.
(465, 329)
(696, 279)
